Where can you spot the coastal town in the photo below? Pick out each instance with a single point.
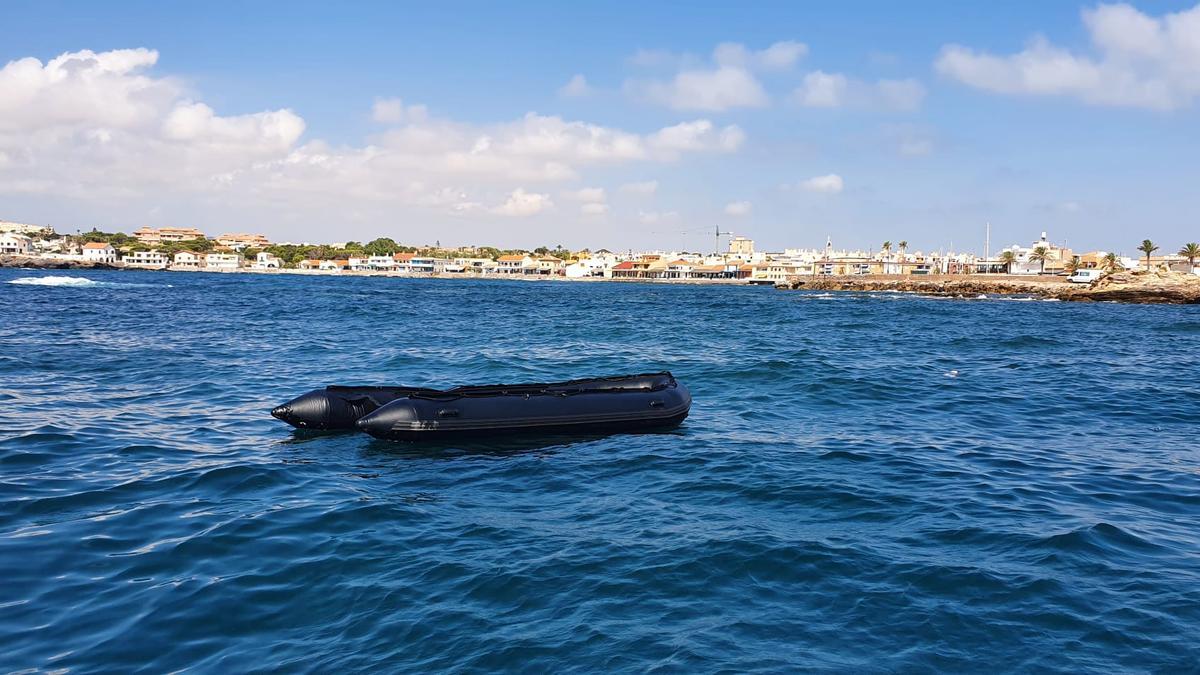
(190, 249)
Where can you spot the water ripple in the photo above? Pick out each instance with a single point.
(836, 500)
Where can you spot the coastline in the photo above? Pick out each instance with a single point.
(1138, 287)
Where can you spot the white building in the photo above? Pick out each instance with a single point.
(513, 264)
(151, 260)
(222, 262)
(99, 252)
(188, 260)
(267, 261)
(359, 263)
(381, 262)
(12, 243)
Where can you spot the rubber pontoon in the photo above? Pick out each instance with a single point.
(608, 405)
(597, 405)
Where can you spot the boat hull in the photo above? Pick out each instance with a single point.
(503, 410)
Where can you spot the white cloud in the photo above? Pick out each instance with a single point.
(727, 83)
(593, 209)
(98, 126)
(522, 203)
(829, 184)
(714, 90)
(576, 87)
(738, 209)
(1139, 61)
(779, 56)
(834, 90)
(593, 194)
(822, 90)
(647, 187)
(655, 217)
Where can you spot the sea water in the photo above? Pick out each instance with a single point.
(866, 481)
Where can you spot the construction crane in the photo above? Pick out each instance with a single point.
(716, 232)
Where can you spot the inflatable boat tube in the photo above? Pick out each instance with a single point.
(608, 405)
(336, 407)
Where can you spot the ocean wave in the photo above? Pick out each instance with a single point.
(78, 282)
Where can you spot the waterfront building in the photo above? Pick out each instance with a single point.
(422, 264)
(221, 261)
(513, 264)
(154, 236)
(267, 261)
(678, 269)
(381, 263)
(242, 241)
(334, 265)
(359, 263)
(545, 265)
(14, 243)
(188, 260)
(99, 252)
(153, 260)
(310, 264)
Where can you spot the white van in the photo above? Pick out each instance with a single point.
(1085, 276)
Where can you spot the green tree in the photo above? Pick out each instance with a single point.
(381, 246)
(1072, 265)
(887, 247)
(1040, 254)
(903, 245)
(1111, 262)
(1009, 258)
(1191, 252)
(1147, 247)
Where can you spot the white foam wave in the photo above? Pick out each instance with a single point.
(55, 281)
(76, 282)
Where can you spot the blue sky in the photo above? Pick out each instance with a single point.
(867, 121)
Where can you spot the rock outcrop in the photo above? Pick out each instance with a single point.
(1141, 287)
(27, 262)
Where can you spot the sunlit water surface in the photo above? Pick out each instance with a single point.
(866, 481)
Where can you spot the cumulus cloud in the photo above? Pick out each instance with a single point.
(834, 90)
(738, 209)
(713, 90)
(393, 111)
(522, 203)
(591, 194)
(103, 127)
(780, 55)
(576, 87)
(647, 187)
(593, 209)
(655, 217)
(829, 184)
(728, 82)
(1138, 60)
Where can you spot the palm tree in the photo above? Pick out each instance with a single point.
(1191, 252)
(1111, 263)
(1072, 265)
(1147, 247)
(903, 245)
(887, 247)
(1009, 259)
(1040, 254)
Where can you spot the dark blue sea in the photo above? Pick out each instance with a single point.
(875, 482)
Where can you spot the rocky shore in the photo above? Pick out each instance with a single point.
(1140, 287)
(26, 262)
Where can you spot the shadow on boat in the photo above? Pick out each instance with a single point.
(496, 446)
(501, 446)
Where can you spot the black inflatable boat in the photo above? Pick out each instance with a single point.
(337, 407)
(599, 405)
